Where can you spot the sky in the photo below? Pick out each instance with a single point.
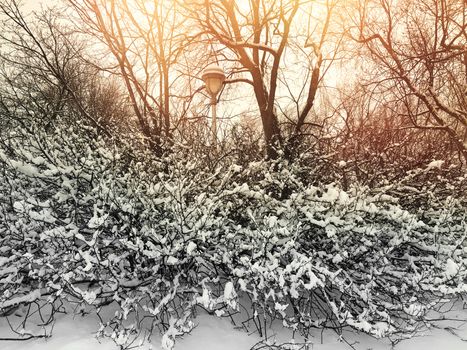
(226, 110)
(30, 5)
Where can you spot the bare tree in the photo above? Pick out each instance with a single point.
(257, 36)
(420, 53)
(145, 40)
(376, 142)
(42, 71)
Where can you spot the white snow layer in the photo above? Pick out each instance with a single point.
(213, 333)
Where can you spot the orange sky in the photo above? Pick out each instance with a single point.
(36, 4)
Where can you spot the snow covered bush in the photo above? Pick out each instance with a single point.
(325, 257)
(146, 242)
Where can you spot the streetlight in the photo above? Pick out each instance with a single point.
(213, 76)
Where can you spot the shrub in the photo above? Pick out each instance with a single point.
(107, 226)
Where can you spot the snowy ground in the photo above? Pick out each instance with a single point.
(212, 333)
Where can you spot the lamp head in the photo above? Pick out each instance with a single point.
(213, 76)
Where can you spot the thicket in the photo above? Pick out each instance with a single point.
(105, 225)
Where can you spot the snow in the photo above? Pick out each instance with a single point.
(204, 299)
(214, 333)
(451, 268)
(229, 291)
(70, 333)
(96, 220)
(191, 247)
(337, 258)
(230, 295)
(89, 297)
(436, 164)
(3, 260)
(36, 294)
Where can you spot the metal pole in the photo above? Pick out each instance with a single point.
(214, 123)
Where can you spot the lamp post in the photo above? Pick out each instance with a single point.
(213, 76)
